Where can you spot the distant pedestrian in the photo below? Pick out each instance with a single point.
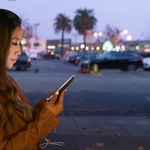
(21, 125)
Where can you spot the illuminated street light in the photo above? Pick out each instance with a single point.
(23, 42)
(129, 37)
(72, 48)
(125, 31)
(137, 47)
(100, 34)
(92, 48)
(95, 34)
(117, 48)
(86, 48)
(77, 48)
(123, 47)
(82, 46)
(97, 48)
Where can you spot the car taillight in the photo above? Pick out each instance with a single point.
(140, 59)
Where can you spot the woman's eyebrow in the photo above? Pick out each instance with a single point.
(16, 38)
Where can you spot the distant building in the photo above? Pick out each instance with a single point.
(142, 46)
(35, 43)
(56, 44)
(89, 38)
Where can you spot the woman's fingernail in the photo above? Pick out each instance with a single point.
(56, 92)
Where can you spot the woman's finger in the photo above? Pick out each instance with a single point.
(53, 98)
(61, 97)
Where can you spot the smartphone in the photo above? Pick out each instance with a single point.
(62, 87)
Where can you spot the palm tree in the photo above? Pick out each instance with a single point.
(64, 24)
(83, 21)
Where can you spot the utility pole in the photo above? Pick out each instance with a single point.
(36, 30)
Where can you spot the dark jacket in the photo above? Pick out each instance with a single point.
(28, 135)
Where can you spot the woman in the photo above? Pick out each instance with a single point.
(21, 126)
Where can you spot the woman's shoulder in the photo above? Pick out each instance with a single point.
(15, 84)
(11, 79)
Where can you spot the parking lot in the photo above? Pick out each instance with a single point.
(108, 112)
(113, 93)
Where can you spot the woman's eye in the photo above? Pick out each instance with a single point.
(14, 43)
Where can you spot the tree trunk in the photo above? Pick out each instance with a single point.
(84, 40)
(62, 44)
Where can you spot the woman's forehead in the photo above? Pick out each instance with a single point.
(17, 34)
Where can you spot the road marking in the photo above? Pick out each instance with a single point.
(147, 98)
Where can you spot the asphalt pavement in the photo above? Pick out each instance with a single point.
(110, 94)
(101, 133)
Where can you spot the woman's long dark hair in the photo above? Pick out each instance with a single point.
(8, 92)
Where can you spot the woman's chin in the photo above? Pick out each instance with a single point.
(9, 66)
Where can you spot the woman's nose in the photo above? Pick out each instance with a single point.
(18, 51)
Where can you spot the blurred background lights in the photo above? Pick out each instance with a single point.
(117, 48)
(23, 42)
(100, 34)
(72, 48)
(97, 48)
(95, 34)
(77, 48)
(92, 48)
(51, 47)
(137, 47)
(107, 46)
(129, 37)
(125, 31)
(86, 48)
(123, 48)
(82, 46)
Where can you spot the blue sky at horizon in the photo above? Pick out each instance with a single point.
(126, 14)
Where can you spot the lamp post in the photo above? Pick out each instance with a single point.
(36, 29)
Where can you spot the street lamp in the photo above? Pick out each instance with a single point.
(125, 31)
(100, 34)
(86, 48)
(129, 37)
(95, 34)
(82, 46)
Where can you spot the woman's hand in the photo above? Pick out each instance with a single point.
(56, 108)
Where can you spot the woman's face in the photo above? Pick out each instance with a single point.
(14, 49)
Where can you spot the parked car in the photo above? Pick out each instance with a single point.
(23, 62)
(146, 63)
(70, 57)
(80, 57)
(33, 55)
(115, 60)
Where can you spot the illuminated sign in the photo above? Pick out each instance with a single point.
(147, 50)
(107, 46)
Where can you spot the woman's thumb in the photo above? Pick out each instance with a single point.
(53, 97)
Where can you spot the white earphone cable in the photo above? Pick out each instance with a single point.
(48, 142)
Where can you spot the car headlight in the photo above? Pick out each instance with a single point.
(86, 62)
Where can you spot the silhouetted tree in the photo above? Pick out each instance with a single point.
(64, 24)
(112, 34)
(83, 21)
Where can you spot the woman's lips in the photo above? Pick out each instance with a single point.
(14, 60)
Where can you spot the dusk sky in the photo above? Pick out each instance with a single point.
(133, 15)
